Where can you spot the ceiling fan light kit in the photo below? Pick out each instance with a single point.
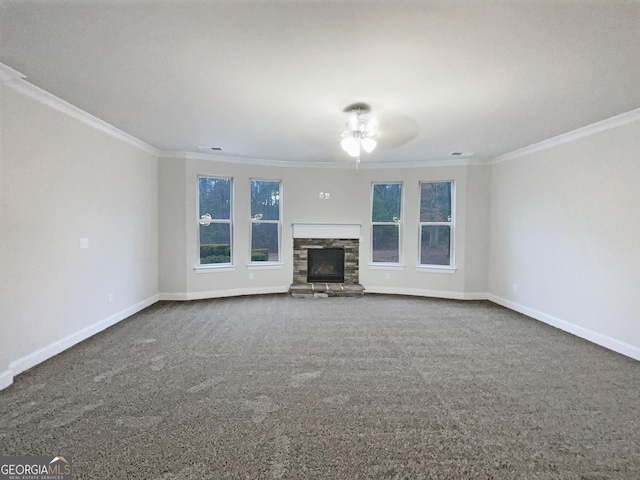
(360, 133)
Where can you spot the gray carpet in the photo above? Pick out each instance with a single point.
(381, 387)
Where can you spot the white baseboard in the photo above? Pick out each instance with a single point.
(284, 289)
(266, 290)
(173, 297)
(605, 341)
(420, 292)
(235, 292)
(6, 379)
(474, 296)
(34, 358)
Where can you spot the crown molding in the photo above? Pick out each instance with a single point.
(446, 162)
(337, 165)
(601, 126)
(8, 74)
(224, 158)
(252, 161)
(17, 81)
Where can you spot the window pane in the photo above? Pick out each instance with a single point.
(386, 243)
(215, 197)
(215, 243)
(435, 245)
(435, 202)
(264, 242)
(386, 202)
(265, 199)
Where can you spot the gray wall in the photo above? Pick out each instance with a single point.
(565, 236)
(63, 180)
(350, 191)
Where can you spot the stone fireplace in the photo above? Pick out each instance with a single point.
(326, 260)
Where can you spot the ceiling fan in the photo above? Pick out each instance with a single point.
(360, 133)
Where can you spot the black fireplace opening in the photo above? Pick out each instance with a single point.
(325, 265)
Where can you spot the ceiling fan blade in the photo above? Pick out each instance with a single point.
(372, 127)
(398, 130)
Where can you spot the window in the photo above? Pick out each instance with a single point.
(436, 224)
(265, 221)
(385, 222)
(214, 217)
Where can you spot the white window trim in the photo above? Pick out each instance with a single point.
(214, 268)
(399, 224)
(386, 266)
(429, 267)
(273, 264)
(436, 269)
(209, 267)
(265, 266)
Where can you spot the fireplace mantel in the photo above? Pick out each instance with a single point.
(326, 230)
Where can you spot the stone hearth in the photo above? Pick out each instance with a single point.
(319, 290)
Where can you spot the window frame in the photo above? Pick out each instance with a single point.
(216, 266)
(451, 267)
(399, 224)
(253, 221)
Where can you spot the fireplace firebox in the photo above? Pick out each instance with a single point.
(325, 265)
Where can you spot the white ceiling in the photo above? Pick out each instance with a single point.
(267, 79)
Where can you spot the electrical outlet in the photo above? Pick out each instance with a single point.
(515, 287)
(110, 297)
(84, 243)
(387, 275)
(251, 276)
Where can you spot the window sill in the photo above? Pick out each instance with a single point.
(386, 266)
(435, 269)
(214, 268)
(265, 266)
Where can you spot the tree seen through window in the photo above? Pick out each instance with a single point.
(265, 221)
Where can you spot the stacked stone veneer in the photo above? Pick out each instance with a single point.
(351, 253)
